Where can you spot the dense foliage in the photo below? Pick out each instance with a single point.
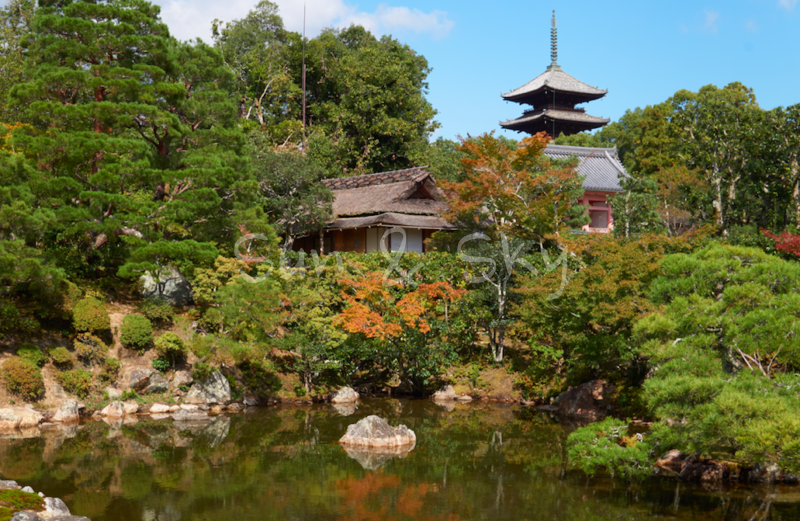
(32, 354)
(23, 379)
(90, 316)
(136, 332)
(76, 381)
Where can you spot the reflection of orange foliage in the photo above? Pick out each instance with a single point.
(379, 489)
(373, 311)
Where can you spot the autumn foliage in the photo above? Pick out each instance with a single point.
(375, 311)
(514, 190)
(786, 242)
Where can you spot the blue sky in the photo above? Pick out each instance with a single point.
(641, 51)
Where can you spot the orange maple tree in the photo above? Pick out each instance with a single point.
(375, 311)
(407, 327)
(514, 190)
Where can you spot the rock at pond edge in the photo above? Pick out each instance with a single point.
(374, 431)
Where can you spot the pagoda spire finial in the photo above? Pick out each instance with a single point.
(554, 43)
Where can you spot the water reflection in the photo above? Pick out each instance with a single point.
(477, 461)
(373, 458)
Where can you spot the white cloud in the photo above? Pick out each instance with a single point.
(192, 18)
(787, 4)
(711, 21)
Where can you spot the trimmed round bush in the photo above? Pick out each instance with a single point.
(23, 378)
(32, 354)
(136, 332)
(60, 356)
(158, 311)
(90, 348)
(170, 346)
(90, 316)
(76, 381)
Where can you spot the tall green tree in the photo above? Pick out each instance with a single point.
(718, 130)
(15, 22)
(367, 110)
(253, 48)
(131, 142)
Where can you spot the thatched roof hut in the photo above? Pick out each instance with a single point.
(408, 198)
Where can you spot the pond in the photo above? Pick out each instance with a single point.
(472, 462)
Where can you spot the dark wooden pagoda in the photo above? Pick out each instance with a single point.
(553, 96)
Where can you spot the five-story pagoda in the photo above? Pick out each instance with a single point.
(553, 95)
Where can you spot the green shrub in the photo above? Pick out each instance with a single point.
(137, 332)
(161, 364)
(211, 320)
(201, 370)
(130, 394)
(76, 381)
(90, 348)
(606, 446)
(12, 501)
(158, 311)
(170, 346)
(60, 356)
(23, 378)
(110, 370)
(90, 316)
(32, 354)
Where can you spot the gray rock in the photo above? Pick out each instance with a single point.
(130, 407)
(9, 485)
(214, 389)
(115, 409)
(158, 384)
(12, 418)
(113, 394)
(29, 490)
(159, 408)
(140, 379)
(345, 395)
(765, 473)
(172, 288)
(181, 378)
(147, 381)
(445, 394)
(250, 400)
(588, 401)
(373, 431)
(68, 412)
(55, 507)
(69, 518)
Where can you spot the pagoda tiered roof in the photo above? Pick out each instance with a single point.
(568, 121)
(554, 79)
(554, 94)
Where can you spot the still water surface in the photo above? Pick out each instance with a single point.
(473, 462)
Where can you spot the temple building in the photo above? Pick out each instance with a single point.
(553, 96)
(366, 207)
(602, 171)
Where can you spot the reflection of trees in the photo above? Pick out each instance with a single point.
(478, 461)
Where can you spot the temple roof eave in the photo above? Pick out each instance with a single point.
(555, 79)
(578, 118)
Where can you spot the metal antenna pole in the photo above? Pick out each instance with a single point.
(304, 77)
